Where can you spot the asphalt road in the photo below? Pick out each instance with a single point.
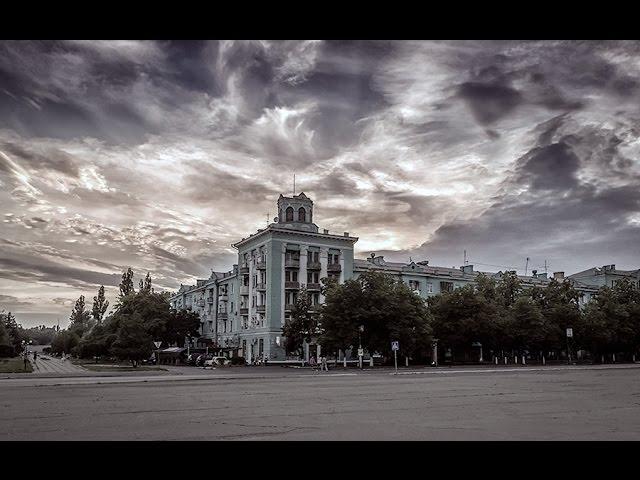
(579, 403)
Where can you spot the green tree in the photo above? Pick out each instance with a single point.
(80, 318)
(340, 315)
(132, 341)
(14, 330)
(4, 335)
(303, 325)
(100, 306)
(386, 308)
(65, 341)
(126, 285)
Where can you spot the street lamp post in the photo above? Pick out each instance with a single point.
(434, 345)
(360, 352)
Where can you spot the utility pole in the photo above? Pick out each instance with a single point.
(545, 266)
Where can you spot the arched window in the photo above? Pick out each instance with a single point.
(289, 214)
(302, 214)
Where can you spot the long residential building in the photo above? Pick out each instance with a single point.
(242, 311)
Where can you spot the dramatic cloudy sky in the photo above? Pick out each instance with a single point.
(158, 155)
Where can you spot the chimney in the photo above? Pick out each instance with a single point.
(467, 268)
(346, 234)
(378, 260)
(558, 275)
(325, 231)
(235, 268)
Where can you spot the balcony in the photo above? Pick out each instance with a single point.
(288, 307)
(292, 285)
(261, 308)
(313, 287)
(334, 267)
(209, 300)
(261, 264)
(201, 302)
(223, 315)
(244, 311)
(244, 270)
(244, 289)
(261, 287)
(314, 266)
(223, 297)
(292, 263)
(315, 308)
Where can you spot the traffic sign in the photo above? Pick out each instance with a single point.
(157, 344)
(395, 345)
(569, 332)
(361, 352)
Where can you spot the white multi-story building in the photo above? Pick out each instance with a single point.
(242, 311)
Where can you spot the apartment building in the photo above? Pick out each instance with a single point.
(242, 311)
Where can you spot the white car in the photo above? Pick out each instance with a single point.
(217, 362)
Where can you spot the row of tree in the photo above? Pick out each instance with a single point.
(501, 315)
(138, 319)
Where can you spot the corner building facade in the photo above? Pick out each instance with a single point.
(242, 311)
(273, 265)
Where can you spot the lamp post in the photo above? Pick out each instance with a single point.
(360, 352)
(434, 345)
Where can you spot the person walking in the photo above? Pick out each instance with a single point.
(323, 364)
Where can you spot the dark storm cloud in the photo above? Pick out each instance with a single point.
(161, 154)
(13, 268)
(489, 101)
(48, 160)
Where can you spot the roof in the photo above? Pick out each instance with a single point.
(173, 350)
(274, 228)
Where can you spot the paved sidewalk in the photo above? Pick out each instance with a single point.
(48, 364)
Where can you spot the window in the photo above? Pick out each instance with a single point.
(261, 347)
(333, 258)
(289, 214)
(231, 307)
(313, 277)
(302, 215)
(231, 325)
(446, 286)
(429, 287)
(414, 285)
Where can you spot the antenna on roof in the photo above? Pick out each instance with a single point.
(526, 267)
(545, 266)
(268, 214)
(294, 184)
(465, 257)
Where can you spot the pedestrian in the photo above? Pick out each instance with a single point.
(35, 357)
(323, 361)
(312, 362)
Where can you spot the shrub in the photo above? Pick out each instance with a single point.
(7, 351)
(237, 361)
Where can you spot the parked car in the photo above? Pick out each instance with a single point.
(217, 362)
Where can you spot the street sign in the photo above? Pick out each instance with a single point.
(157, 344)
(569, 332)
(395, 345)
(361, 352)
